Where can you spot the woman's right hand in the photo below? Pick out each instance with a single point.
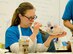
(36, 28)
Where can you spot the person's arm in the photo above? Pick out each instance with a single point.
(67, 16)
(50, 38)
(68, 24)
(44, 47)
(48, 41)
(33, 37)
(35, 31)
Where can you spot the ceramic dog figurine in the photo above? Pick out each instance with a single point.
(23, 46)
(53, 29)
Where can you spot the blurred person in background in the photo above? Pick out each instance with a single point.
(68, 16)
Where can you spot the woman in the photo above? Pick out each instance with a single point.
(22, 20)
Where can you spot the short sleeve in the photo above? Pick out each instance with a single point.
(10, 38)
(67, 13)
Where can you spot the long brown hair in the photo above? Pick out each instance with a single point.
(23, 7)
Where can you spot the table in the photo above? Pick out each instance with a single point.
(47, 53)
(53, 53)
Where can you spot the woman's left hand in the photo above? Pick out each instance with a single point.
(62, 35)
(59, 35)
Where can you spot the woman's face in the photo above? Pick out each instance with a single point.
(28, 18)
